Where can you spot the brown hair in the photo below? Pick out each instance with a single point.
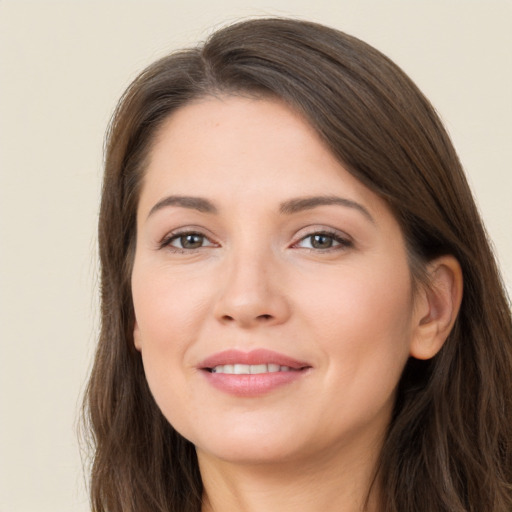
(448, 447)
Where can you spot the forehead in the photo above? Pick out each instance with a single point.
(219, 127)
(253, 149)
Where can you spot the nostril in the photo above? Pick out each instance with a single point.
(264, 318)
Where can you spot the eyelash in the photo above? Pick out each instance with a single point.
(343, 242)
(168, 240)
(340, 241)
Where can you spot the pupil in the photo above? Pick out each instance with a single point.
(322, 241)
(191, 241)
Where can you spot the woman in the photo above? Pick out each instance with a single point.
(285, 236)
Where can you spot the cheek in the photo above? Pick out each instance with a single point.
(169, 311)
(362, 321)
(358, 299)
(168, 305)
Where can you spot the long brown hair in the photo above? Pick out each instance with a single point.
(448, 447)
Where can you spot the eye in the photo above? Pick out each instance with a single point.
(186, 241)
(323, 241)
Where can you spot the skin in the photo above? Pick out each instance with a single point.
(257, 280)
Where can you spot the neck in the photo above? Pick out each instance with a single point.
(322, 485)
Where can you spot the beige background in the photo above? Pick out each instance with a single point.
(63, 66)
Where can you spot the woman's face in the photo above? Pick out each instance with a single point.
(272, 291)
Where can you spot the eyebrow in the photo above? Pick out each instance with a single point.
(195, 203)
(308, 203)
(287, 208)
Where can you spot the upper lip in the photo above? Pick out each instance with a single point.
(254, 357)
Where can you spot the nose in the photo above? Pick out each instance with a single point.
(252, 293)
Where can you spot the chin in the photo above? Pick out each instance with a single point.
(245, 452)
(247, 445)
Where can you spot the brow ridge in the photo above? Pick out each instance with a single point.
(289, 207)
(307, 203)
(195, 203)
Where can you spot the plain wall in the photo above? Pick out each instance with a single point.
(63, 65)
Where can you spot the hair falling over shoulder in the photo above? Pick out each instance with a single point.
(449, 444)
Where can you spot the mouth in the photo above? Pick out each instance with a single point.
(251, 369)
(252, 374)
(237, 362)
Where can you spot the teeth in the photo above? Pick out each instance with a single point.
(258, 368)
(241, 369)
(246, 369)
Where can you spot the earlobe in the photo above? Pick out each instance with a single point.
(438, 304)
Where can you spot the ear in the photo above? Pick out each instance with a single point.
(136, 336)
(437, 305)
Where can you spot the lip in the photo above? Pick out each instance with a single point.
(256, 384)
(259, 356)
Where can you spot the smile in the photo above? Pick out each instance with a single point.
(252, 374)
(250, 369)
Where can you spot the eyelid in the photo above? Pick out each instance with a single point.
(169, 237)
(344, 240)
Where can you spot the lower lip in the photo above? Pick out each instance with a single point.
(252, 385)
